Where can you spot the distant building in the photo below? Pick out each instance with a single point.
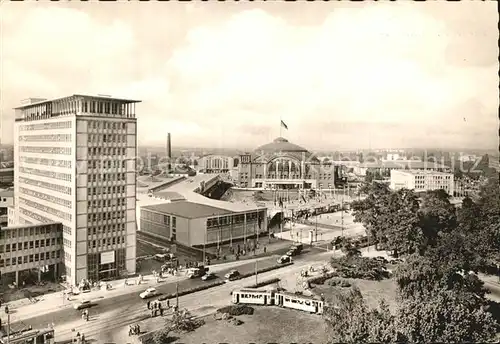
(284, 165)
(384, 167)
(494, 163)
(75, 164)
(467, 157)
(6, 175)
(392, 156)
(28, 248)
(215, 164)
(6, 201)
(421, 180)
(197, 224)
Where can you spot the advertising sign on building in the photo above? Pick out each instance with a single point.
(107, 257)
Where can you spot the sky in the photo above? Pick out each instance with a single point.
(341, 75)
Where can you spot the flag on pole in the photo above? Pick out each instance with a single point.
(284, 125)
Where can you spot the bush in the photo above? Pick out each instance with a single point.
(321, 279)
(264, 283)
(338, 282)
(360, 267)
(235, 310)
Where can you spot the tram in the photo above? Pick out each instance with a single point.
(254, 297)
(278, 298)
(299, 302)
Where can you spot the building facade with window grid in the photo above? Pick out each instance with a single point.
(196, 224)
(75, 164)
(31, 247)
(422, 180)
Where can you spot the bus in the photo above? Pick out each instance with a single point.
(254, 297)
(299, 302)
(40, 336)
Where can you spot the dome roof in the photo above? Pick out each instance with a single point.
(280, 145)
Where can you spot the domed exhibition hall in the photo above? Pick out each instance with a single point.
(284, 165)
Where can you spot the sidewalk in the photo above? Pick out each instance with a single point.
(273, 246)
(23, 309)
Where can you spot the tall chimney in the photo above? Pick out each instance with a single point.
(169, 152)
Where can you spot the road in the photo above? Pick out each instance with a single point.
(131, 310)
(130, 303)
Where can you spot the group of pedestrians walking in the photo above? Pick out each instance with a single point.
(156, 308)
(134, 330)
(85, 315)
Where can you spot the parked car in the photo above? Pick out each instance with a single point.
(284, 259)
(82, 305)
(150, 292)
(381, 259)
(208, 276)
(232, 275)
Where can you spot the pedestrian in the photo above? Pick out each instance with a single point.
(130, 332)
(87, 317)
(168, 303)
(83, 338)
(149, 304)
(265, 249)
(138, 329)
(160, 306)
(152, 313)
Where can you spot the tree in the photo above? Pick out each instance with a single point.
(369, 210)
(437, 214)
(351, 321)
(390, 217)
(162, 336)
(183, 321)
(447, 317)
(422, 277)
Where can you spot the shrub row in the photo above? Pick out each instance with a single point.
(236, 310)
(321, 278)
(264, 283)
(274, 267)
(338, 282)
(193, 290)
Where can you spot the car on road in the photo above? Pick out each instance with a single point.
(208, 276)
(298, 247)
(232, 275)
(82, 305)
(284, 259)
(150, 292)
(292, 252)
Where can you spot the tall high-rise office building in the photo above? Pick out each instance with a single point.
(75, 163)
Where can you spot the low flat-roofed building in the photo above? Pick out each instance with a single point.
(31, 252)
(198, 224)
(422, 180)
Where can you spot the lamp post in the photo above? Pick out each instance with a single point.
(205, 243)
(177, 295)
(256, 271)
(8, 323)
